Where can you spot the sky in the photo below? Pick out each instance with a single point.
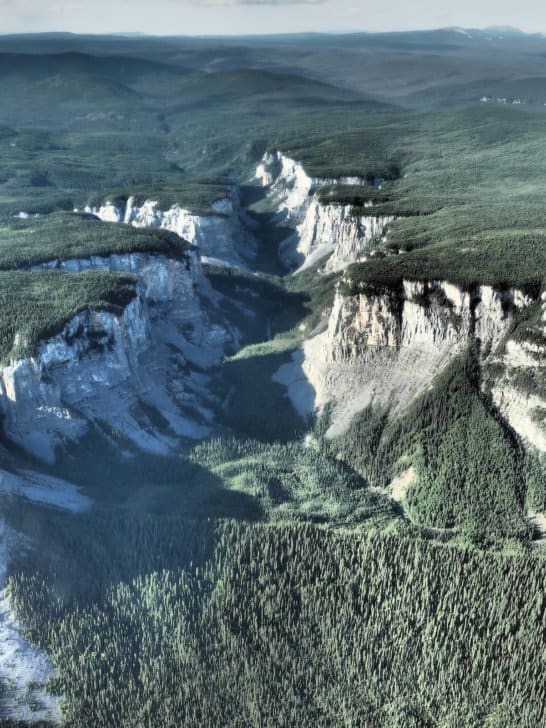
(232, 17)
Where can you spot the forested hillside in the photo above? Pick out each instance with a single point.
(273, 493)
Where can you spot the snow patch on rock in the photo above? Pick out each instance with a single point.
(27, 215)
(44, 489)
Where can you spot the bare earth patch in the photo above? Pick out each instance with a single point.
(399, 486)
(24, 669)
(538, 520)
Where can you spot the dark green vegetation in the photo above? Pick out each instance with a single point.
(460, 483)
(63, 236)
(296, 482)
(469, 181)
(35, 306)
(162, 622)
(469, 186)
(257, 578)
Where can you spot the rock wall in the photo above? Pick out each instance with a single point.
(94, 349)
(288, 178)
(160, 278)
(385, 347)
(220, 235)
(320, 230)
(334, 231)
(522, 365)
(116, 371)
(423, 315)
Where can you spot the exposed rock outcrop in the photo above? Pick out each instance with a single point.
(114, 371)
(321, 230)
(288, 179)
(384, 347)
(523, 406)
(220, 234)
(160, 278)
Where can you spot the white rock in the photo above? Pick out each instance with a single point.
(385, 348)
(321, 229)
(220, 234)
(102, 367)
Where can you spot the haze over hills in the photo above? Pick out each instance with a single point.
(390, 65)
(272, 382)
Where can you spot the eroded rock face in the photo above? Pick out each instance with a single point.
(334, 231)
(522, 365)
(424, 315)
(384, 348)
(220, 235)
(116, 371)
(161, 278)
(94, 349)
(320, 230)
(288, 178)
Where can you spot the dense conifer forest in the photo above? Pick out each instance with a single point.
(294, 625)
(257, 571)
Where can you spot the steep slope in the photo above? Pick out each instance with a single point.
(384, 347)
(320, 230)
(139, 376)
(220, 235)
(382, 343)
(518, 376)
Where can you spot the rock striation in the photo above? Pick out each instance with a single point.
(384, 346)
(321, 230)
(121, 373)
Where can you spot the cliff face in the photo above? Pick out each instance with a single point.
(38, 394)
(523, 408)
(287, 178)
(334, 231)
(384, 348)
(113, 371)
(424, 315)
(160, 278)
(519, 390)
(220, 235)
(320, 230)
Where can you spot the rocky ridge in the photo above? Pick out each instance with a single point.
(320, 230)
(112, 370)
(220, 235)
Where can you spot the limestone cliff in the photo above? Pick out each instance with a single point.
(518, 385)
(320, 230)
(116, 371)
(220, 235)
(384, 347)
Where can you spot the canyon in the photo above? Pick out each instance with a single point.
(379, 348)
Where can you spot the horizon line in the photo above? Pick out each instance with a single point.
(514, 31)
